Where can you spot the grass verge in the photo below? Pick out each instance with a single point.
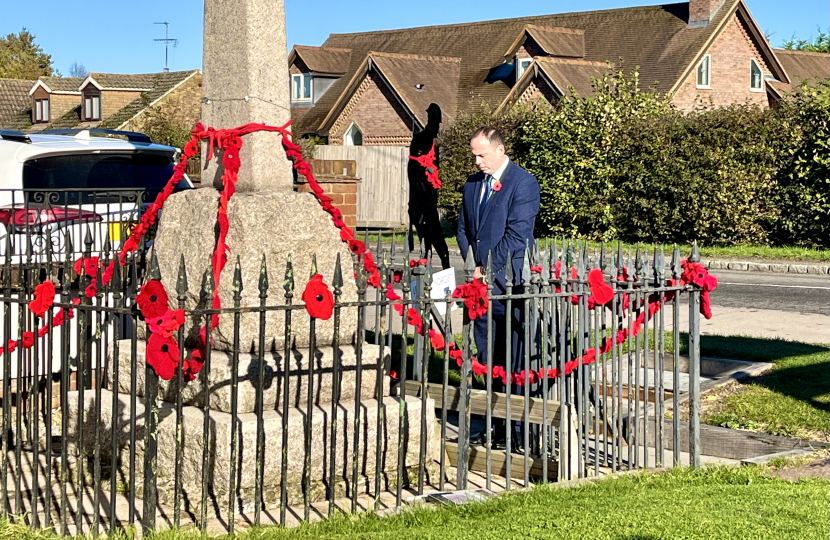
(742, 252)
(721, 503)
(793, 400)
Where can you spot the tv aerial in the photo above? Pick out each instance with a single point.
(167, 40)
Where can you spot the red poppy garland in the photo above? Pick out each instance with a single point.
(427, 161)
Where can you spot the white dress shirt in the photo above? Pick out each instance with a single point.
(495, 177)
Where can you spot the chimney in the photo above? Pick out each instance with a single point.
(702, 11)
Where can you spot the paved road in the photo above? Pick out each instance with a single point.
(788, 306)
(808, 294)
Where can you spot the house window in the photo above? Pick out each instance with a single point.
(41, 110)
(353, 136)
(521, 66)
(703, 72)
(756, 76)
(301, 87)
(92, 107)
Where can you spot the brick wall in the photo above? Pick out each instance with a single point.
(537, 91)
(702, 10)
(342, 189)
(378, 114)
(60, 104)
(183, 104)
(113, 101)
(729, 72)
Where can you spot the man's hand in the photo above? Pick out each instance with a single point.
(477, 273)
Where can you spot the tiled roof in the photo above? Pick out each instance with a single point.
(162, 84)
(62, 84)
(324, 60)
(554, 41)
(566, 72)
(15, 103)
(801, 66)
(658, 39)
(144, 81)
(438, 75)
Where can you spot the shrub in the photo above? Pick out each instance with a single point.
(626, 164)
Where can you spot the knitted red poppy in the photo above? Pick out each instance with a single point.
(152, 299)
(162, 355)
(475, 298)
(413, 318)
(28, 340)
(44, 298)
(437, 340)
(600, 291)
(319, 302)
(90, 266)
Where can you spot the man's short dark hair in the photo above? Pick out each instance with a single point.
(491, 134)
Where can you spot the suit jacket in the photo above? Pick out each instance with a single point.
(506, 225)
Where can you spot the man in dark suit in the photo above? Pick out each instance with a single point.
(497, 217)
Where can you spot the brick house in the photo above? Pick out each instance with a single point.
(374, 86)
(802, 67)
(101, 100)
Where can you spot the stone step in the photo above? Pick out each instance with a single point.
(215, 458)
(219, 378)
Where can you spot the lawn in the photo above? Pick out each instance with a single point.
(711, 503)
(742, 252)
(792, 400)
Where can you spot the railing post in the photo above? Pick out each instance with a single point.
(466, 383)
(151, 418)
(694, 368)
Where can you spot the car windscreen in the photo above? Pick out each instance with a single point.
(85, 178)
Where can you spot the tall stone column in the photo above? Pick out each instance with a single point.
(245, 79)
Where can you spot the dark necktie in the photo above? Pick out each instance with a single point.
(486, 196)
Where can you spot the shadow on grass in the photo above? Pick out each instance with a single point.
(801, 371)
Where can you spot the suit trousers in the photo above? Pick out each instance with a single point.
(500, 357)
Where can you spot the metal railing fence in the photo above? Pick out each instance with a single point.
(94, 440)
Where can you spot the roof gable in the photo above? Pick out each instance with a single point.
(657, 39)
(321, 60)
(58, 85)
(436, 76)
(553, 41)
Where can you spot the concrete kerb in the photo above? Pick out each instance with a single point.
(748, 266)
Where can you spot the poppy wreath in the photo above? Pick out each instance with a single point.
(427, 161)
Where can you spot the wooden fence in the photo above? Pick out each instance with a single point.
(383, 191)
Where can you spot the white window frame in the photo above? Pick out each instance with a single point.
(297, 82)
(752, 62)
(348, 139)
(92, 108)
(521, 70)
(708, 59)
(41, 111)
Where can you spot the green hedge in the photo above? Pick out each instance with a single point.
(626, 164)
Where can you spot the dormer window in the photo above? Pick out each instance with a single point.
(521, 66)
(301, 87)
(91, 106)
(756, 76)
(41, 111)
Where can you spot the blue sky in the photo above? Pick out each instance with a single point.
(117, 35)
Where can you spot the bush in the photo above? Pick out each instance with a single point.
(804, 178)
(626, 164)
